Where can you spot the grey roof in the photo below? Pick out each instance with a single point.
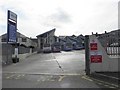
(67, 38)
(44, 34)
(73, 39)
(18, 35)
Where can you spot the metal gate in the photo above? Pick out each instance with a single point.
(102, 52)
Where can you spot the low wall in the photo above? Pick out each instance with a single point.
(6, 53)
(24, 56)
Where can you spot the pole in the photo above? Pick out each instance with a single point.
(87, 66)
(7, 38)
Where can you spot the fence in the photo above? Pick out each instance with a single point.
(111, 43)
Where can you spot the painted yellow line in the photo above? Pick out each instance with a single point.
(10, 76)
(104, 82)
(52, 80)
(106, 85)
(23, 75)
(99, 83)
(43, 80)
(7, 77)
(38, 80)
(61, 78)
(112, 87)
(19, 76)
(48, 79)
(86, 78)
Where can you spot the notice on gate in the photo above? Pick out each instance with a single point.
(93, 46)
(96, 58)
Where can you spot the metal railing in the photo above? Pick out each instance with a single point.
(111, 42)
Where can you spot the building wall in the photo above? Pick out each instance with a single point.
(39, 44)
(49, 39)
(0, 39)
(7, 51)
(26, 47)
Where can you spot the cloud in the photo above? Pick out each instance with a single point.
(56, 19)
(68, 16)
(60, 16)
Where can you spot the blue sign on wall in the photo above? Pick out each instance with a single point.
(12, 27)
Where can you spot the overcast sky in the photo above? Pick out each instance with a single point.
(67, 16)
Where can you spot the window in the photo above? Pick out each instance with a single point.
(24, 39)
(4, 40)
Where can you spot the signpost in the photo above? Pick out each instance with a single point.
(11, 27)
(12, 31)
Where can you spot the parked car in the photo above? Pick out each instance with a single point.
(78, 47)
(47, 48)
(68, 47)
(56, 47)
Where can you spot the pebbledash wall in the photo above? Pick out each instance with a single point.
(102, 52)
(108, 64)
(26, 47)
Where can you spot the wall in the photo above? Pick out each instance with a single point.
(6, 50)
(51, 38)
(48, 39)
(109, 64)
(23, 53)
(39, 45)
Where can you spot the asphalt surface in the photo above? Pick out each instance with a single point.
(53, 70)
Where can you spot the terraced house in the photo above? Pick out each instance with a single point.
(26, 46)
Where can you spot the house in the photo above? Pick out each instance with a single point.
(45, 38)
(73, 42)
(62, 42)
(66, 43)
(56, 46)
(81, 41)
(26, 46)
(109, 38)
